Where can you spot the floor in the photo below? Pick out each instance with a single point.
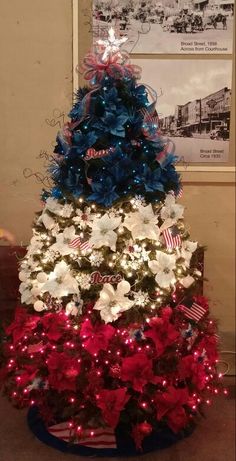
(213, 440)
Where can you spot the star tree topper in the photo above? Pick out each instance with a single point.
(112, 44)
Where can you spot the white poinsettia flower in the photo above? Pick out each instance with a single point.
(103, 232)
(163, 267)
(143, 223)
(61, 281)
(189, 246)
(66, 211)
(53, 206)
(171, 212)
(47, 221)
(35, 245)
(26, 295)
(112, 303)
(55, 230)
(186, 251)
(57, 208)
(62, 241)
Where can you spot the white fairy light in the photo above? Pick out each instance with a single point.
(112, 44)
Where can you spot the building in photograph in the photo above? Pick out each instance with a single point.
(201, 116)
(215, 110)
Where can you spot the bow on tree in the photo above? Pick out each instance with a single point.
(116, 65)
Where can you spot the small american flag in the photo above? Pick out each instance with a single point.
(78, 243)
(180, 193)
(96, 438)
(194, 312)
(172, 237)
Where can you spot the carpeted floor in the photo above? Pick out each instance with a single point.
(213, 440)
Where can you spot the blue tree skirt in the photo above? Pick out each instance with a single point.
(125, 444)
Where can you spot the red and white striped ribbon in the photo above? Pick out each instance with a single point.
(96, 438)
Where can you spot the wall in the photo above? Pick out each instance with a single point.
(35, 79)
(210, 216)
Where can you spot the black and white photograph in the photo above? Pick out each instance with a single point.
(168, 26)
(193, 105)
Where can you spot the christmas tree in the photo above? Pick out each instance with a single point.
(113, 335)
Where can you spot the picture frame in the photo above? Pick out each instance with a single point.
(82, 43)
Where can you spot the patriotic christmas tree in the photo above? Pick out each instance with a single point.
(112, 345)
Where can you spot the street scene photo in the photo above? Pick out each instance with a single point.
(168, 26)
(193, 106)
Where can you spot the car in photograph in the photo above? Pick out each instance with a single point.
(219, 132)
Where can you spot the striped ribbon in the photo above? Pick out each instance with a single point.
(96, 438)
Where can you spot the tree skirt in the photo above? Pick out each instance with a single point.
(121, 445)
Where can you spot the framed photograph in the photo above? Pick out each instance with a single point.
(194, 106)
(200, 85)
(168, 26)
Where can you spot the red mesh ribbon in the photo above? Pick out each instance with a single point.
(116, 66)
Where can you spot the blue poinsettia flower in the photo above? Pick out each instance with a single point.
(170, 175)
(104, 191)
(81, 142)
(122, 170)
(112, 123)
(151, 179)
(111, 99)
(135, 121)
(114, 157)
(62, 147)
(73, 184)
(140, 93)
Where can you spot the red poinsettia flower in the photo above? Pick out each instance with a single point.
(190, 368)
(25, 378)
(170, 404)
(209, 345)
(201, 301)
(22, 324)
(54, 324)
(96, 337)
(63, 371)
(162, 332)
(139, 432)
(112, 402)
(177, 419)
(138, 370)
